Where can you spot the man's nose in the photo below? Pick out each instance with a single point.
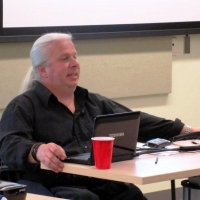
(75, 63)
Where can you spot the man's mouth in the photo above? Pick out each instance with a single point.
(73, 74)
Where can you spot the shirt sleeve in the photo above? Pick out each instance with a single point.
(16, 137)
(156, 127)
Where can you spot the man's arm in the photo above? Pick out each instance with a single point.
(188, 129)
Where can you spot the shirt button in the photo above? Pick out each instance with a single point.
(85, 147)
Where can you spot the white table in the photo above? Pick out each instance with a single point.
(143, 170)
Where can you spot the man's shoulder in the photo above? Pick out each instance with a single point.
(24, 98)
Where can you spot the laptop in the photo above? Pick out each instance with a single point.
(123, 127)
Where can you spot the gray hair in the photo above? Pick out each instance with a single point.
(40, 53)
(39, 56)
(27, 83)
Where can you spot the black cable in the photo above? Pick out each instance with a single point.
(194, 135)
(190, 148)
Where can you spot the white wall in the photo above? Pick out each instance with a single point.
(183, 102)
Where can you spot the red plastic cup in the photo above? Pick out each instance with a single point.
(103, 149)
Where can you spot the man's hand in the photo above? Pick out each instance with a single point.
(51, 155)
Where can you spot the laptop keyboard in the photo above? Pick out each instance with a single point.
(80, 156)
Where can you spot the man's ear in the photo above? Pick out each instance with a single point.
(42, 71)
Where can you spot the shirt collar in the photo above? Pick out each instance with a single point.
(44, 94)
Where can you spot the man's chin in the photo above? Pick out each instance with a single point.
(73, 86)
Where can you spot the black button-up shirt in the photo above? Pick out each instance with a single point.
(37, 116)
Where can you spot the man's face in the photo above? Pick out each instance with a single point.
(63, 68)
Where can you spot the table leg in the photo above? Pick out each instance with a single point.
(189, 194)
(173, 190)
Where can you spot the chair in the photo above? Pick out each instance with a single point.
(14, 176)
(190, 191)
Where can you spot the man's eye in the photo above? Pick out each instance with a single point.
(64, 58)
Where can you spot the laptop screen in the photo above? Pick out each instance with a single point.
(123, 127)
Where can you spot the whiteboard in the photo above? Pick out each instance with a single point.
(41, 13)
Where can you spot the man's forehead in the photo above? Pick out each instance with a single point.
(66, 46)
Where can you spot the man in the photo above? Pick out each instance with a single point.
(54, 118)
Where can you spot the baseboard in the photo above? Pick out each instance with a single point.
(164, 195)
